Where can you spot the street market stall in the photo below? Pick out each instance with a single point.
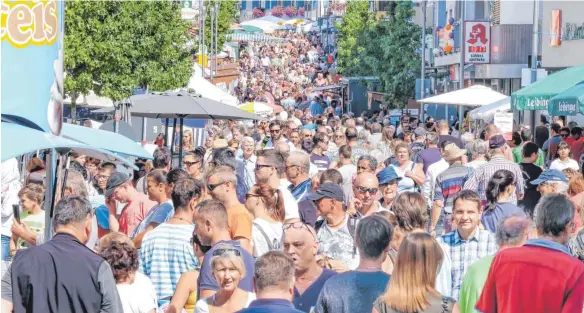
(209, 90)
(569, 102)
(472, 96)
(487, 112)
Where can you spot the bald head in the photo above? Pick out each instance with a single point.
(298, 158)
(366, 179)
(512, 231)
(299, 243)
(283, 148)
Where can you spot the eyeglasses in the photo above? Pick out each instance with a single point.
(189, 164)
(212, 187)
(219, 252)
(365, 190)
(298, 225)
(106, 177)
(291, 166)
(275, 130)
(260, 166)
(565, 135)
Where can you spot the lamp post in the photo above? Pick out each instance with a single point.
(423, 70)
(211, 45)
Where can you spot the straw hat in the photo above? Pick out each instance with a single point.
(452, 151)
(219, 143)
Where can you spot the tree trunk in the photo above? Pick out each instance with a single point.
(73, 106)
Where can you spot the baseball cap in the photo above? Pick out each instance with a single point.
(420, 132)
(386, 175)
(117, 179)
(328, 190)
(497, 141)
(550, 175)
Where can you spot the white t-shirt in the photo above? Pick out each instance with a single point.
(273, 231)
(290, 204)
(138, 297)
(203, 307)
(338, 244)
(348, 171)
(560, 165)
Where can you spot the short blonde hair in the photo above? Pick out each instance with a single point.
(230, 254)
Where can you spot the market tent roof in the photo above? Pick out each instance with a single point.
(328, 87)
(537, 95)
(259, 108)
(471, 96)
(265, 26)
(13, 144)
(487, 112)
(270, 18)
(251, 29)
(105, 140)
(208, 90)
(569, 102)
(184, 105)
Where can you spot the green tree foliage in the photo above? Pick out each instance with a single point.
(356, 21)
(113, 47)
(390, 51)
(227, 13)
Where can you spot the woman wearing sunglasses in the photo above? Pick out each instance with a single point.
(228, 269)
(267, 206)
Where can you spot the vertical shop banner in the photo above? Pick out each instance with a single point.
(477, 42)
(556, 28)
(32, 62)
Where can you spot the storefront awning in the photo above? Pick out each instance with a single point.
(537, 95)
(472, 96)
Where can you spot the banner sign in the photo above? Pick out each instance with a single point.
(32, 62)
(504, 122)
(556, 28)
(477, 42)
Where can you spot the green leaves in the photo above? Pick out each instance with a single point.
(113, 47)
(227, 13)
(387, 48)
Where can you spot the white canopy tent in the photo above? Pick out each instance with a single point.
(477, 95)
(269, 18)
(266, 26)
(486, 113)
(471, 96)
(207, 90)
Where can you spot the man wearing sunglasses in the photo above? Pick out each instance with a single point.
(276, 136)
(365, 190)
(222, 187)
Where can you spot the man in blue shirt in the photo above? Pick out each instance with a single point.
(274, 284)
(316, 108)
(355, 291)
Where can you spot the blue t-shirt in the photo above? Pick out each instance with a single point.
(491, 218)
(206, 279)
(322, 162)
(316, 109)
(351, 292)
(158, 214)
(270, 306)
(307, 300)
(428, 157)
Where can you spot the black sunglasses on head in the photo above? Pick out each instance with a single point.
(219, 252)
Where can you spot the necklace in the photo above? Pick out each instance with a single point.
(182, 219)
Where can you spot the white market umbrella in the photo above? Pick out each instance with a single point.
(472, 96)
(486, 113)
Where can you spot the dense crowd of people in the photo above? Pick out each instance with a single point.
(307, 211)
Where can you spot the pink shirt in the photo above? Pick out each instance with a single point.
(134, 212)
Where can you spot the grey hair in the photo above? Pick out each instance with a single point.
(561, 187)
(229, 254)
(512, 231)
(301, 159)
(432, 138)
(248, 140)
(478, 147)
(372, 161)
(76, 184)
(376, 128)
(553, 214)
(364, 135)
(71, 210)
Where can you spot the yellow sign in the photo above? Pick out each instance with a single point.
(29, 22)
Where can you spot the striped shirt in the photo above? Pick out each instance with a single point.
(480, 178)
(165, 254)
(449, 183)
(463, 253)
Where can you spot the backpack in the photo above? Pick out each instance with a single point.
(272, 244)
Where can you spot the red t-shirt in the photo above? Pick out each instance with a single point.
(538, 277)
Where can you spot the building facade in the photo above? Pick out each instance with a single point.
(562, 43)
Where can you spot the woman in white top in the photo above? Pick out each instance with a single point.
(267, 206)
(410, 173)
(137, 294)
(228, 269)
(564, 161)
